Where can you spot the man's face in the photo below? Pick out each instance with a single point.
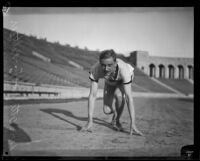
(108, 65)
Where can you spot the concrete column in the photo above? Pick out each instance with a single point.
(166, 72)
(151, 69)
(157, 71)
(176, 72)
(192, 73)
(146, 70)
(186, 72)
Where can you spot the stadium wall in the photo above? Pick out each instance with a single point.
(163, 67)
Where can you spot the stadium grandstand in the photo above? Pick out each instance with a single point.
(36, 66)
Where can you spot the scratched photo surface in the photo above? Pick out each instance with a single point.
(48, 53)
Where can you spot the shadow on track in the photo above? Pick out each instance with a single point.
(190, 100)
(70, 114)
(18, 135)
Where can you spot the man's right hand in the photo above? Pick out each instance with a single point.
(134, 130)
(87, 128)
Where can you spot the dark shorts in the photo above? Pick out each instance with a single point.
(111, 93)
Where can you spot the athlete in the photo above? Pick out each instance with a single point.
(118, 77)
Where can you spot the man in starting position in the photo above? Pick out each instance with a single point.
(118, 77)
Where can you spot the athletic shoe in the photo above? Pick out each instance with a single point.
(116, 126)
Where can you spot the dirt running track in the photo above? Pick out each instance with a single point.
(52, 129)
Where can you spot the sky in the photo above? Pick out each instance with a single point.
(162, 31)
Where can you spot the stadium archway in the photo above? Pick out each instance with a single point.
(171, 71)
(181, 72)
(191, 72)
(163, 67)
(152, 69)
(161, 71)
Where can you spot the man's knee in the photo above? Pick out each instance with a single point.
(119, 98)
(107, 109)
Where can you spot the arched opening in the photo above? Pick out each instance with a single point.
(161, 71)
(190, 70)
(152, 70)
(181, 72)
(171, 71)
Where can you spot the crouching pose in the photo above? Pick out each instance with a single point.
(118, 77)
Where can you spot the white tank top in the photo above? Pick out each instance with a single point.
(125, 73)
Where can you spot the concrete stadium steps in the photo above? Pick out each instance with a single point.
(182, 85)
(33, 68)
(39, 72)
(143, 83)
(147, 84)
(59, 72)
(138, 72)
(7, 76)
(137, 88)
(81, 57)
(31, 73)
(50, 52)
(11, 65)
(59, 55)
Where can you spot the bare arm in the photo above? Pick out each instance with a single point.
(129, 100)
(91, 100)
(128, 92)
(91, 104)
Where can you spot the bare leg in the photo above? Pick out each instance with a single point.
(118, 108)
(108, 99)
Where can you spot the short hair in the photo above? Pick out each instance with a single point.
(107, 54)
